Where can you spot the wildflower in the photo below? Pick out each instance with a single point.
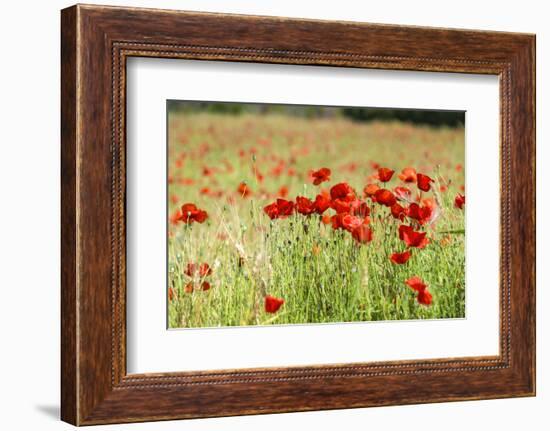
(304, 205)
(362, 234)
(460, 200)
(398, 212)
(412, 238)
(370, 190)
(400, 258)
(421, 214)
(385, 197)
(322, 203)
(171, 294)
(190, 213)
(402, 193)
(423, 182)
(272, 304)
(191, 286)
(385, 174)
(408, 175)
(342, 191)
(202, 270)
(320, 176)
(341, 206)
(244, 190)
(279, 209)
(423, 297)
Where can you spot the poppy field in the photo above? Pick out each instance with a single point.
(296, 217)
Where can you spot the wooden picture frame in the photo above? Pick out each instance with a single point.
(96, 41)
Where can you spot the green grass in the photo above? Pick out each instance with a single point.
(322, 274)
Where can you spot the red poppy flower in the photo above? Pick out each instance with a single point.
(423, 182)
(272, 304)
(244, 190)
(398, 212)
(285, 207)
(412, 238)
(385, 197)
(362, 234)
(421, 214)
(424, 297)
(408, 175)
(171, 294)
(272, 210)
(346, 221)
(190, 213)
(280, 209)
(385, 174)
(402, 193)
(416, 283)
(341, 206)
(203, 269)
(350, 222)
(400, 258)
(283, 192)
(460, 200)
(189, 287)
(360, 209)
(336, 221)
(320, 176)
(370, 190)
(322, 203)
(304, 205)
(342, 191)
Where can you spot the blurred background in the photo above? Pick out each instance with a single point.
(414, 116)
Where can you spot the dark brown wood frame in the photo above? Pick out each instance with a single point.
(95, 43)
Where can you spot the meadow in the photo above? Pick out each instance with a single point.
(278, 219)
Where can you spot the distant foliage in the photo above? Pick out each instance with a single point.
(414, 116)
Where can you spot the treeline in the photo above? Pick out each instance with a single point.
(415, 116)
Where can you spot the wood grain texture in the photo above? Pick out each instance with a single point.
(96, 41)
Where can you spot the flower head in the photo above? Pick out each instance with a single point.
(304, 205)
(272, 304)
(385, 174)
(385, 197)
(412, 238)
(320, 176)
(400, 258)
(342, 191)
(362, 234)
(408, 175)
(460, 200)
(190, 213)
(423, 182)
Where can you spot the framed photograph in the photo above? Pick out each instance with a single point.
(265, 215)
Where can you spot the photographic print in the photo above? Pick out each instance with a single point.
(289, 214)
